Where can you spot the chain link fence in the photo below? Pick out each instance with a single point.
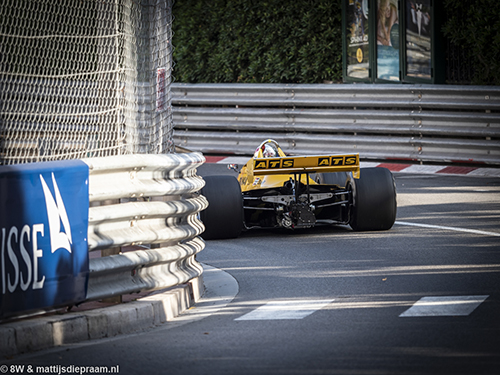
(84, 78)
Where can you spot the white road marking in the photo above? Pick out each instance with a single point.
(241, 160)
(280, 310)
(368, 164)
(423, 169)
(444, 306)
(487, 172)
(475, 231)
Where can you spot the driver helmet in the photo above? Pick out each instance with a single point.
(269, 150)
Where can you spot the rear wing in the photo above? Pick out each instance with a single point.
(305, 164)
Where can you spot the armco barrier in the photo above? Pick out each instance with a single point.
(141, 218)
(147, 203)
(421, 123)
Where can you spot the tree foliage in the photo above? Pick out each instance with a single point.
(475, 26)
(257, 41)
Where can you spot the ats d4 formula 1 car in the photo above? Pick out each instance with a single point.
(274, 190)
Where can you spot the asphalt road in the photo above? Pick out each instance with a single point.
(422, 298)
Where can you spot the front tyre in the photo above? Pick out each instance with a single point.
(224, 216)
(374, 205)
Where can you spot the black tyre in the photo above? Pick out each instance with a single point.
(374, 200)
(337, 178)
(224, 216)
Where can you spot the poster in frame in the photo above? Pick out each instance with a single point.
(418, 39)
(357, 40)
(388, 48)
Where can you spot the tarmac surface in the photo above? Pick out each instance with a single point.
(138, 312)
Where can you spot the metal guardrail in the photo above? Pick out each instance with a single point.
(144, 201)
(421, 123)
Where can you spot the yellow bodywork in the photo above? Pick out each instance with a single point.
(260, 172)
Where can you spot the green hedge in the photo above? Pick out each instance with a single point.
(257, 41)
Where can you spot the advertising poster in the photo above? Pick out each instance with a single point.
(357, 39)
(418, 38)
(388, 40)
(43, 236)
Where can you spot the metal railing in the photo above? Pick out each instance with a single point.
(148, 203)
(420, 123)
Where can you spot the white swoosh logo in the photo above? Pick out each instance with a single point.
(56, 213)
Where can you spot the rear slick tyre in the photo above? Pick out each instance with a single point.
(374, 200)
(336, 178)
(224, 216)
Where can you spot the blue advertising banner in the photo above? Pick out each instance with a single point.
(43, 236)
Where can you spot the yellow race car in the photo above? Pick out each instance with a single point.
(274, 190)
